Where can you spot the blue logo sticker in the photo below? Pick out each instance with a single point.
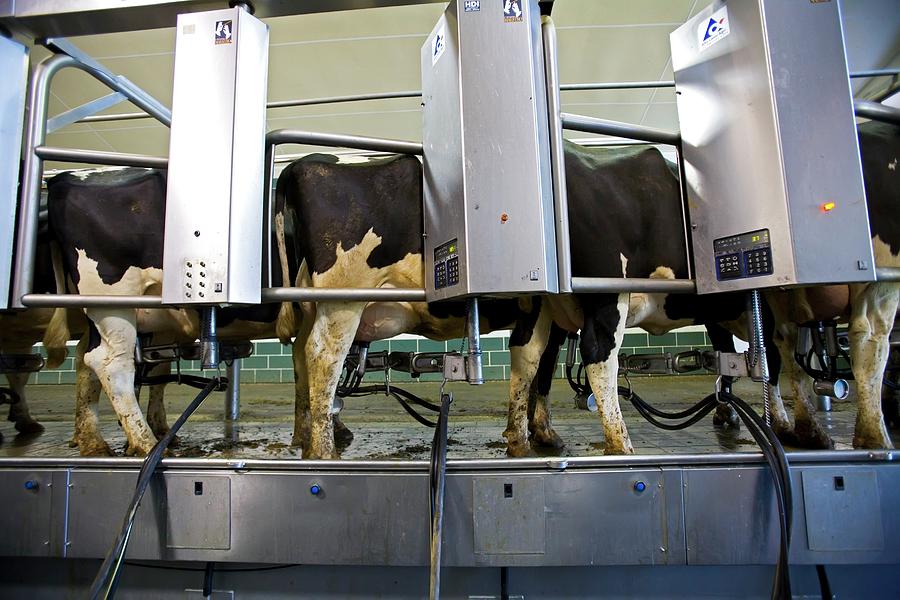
(437, 44)
(472, 5)
(714, 29)
(512, 11)
(223, 32)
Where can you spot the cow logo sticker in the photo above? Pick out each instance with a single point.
(512, 11)
(223, 32)
(713, 29)
(472, 5)
(438, 43)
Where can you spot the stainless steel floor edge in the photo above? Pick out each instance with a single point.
(464, 465)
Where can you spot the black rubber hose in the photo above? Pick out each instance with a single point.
(437, 482)
(824, 584)
(107, 579)
(208, 579)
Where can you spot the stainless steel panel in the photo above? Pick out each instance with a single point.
(843, 510)
(14, 66)
(589, 518)
(488, 189)
(769, 137)
(26, 519)
(199, 512)
(508, 515)
(213, 241)
(729, 516)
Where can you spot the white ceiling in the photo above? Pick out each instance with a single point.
(377, 50)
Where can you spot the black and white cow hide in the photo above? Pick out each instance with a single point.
(110, 229)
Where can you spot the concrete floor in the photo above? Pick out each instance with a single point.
(384, 431)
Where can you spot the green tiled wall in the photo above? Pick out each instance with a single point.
(271, 361)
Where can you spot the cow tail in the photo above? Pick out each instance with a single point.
(286, 324)
(57, 334)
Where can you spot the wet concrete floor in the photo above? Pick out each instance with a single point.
(383, 430)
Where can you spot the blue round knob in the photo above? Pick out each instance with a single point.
(31, 484)
(639, 486)
(315, 489)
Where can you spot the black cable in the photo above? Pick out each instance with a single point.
(504, 583)
(437, 479)
(132, 563)
(824, 584)
(107, 579)
(208, 579)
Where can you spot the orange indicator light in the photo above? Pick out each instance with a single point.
(827, 206)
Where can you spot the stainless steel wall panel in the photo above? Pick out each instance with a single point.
(27, 520)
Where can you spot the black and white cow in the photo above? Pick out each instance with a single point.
(110, 229)
(870, 307)
(359, 225)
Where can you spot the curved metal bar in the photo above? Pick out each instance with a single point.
(337, 140)
(287, 294)
(877, 112)
(626, 130)
(35, 135)
(96, 157)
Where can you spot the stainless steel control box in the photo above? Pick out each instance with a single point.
(774, 181)
(14, 67)
(489, 222)
(213, 238)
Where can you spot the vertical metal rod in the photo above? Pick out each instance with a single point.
(209, 342)
(438, 480)
(268, 212)
(474, 373)
(685, 214)
(233, 393)
(557, 158)
(32, 169)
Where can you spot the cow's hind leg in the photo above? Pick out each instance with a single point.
(526, 344)
(601, 337)
(87, 399)
(540, 429)
(873, 309)
(329, 341)
(300, 436)
(113, 362)
(18, 410)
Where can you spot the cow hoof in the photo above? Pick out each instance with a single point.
(726, 417)
(312, 455)
(618, 449)
(872, 442)
(133, 450)
(96, 448)
(342, 435)
(810, 435)
(29, 426)
(519, 450)
(547, 438)
(785, 434)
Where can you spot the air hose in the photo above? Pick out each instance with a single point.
(107, 579)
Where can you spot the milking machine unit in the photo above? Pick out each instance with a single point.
(213, 231)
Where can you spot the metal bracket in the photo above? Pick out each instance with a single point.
(88, 108)
(729, 364)
(166, 353)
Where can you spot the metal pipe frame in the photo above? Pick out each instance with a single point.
(557, 158)
(565, 87)
(877, 112)
(609, 285)
(35, 135)
(617, 128)
(312, 138)
(97, 157)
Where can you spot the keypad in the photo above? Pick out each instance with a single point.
(758, 262)
(452, 270)
(729, 266)
(440, 275)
